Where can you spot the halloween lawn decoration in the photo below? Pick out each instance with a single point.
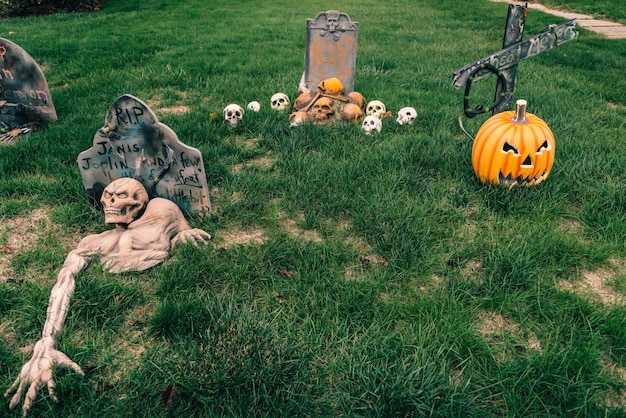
(297, 118)
(328, 103)
(512, 148)
(280, 102)
(25, 100)
(233, 114)
(145, 232)
(504, 62)
(406, 116)
(254, 106)
(371, 124)
(133, 143)
(331, 47)
(376, 108)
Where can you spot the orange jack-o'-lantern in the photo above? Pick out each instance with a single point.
(513, 148)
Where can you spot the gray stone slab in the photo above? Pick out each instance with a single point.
(331, 45)
(133, 143)
(25, 99)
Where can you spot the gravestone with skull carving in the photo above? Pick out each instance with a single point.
(331, 41)
(133, 143)
(25, 100)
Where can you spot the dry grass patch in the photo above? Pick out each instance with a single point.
(174, 110)
(6, 334)
(504, 336)
(596, 283)
(156, 104)
(23, 232)
(232, 237)
(367, 257)
(291, 226)
(570, 226)
(262, 163)
(616, 399)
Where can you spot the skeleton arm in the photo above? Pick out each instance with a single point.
(38, 371)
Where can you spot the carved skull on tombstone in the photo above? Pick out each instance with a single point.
(406, 116)
(233, 113)
(280, 102)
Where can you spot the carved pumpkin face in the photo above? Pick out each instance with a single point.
(513, 148)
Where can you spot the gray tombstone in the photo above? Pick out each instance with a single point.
(25, 100)
(133, 143)
(331, 41)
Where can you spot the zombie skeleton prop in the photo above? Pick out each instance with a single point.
(145, 232)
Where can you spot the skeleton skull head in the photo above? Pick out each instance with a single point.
(352, 113)
(254, 106)
(376, 108)
(123, 201)
(406, 116)
(332, 20)
(280, 102)
(233, 113)
(297, 118)
(302, 101)
(322, 110)
(371, 124)
(332, 86)
(358, 99)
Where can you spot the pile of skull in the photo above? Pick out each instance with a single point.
(328, 103)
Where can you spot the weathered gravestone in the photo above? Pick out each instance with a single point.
(25, 100)
(331, 41)
(133, 143)
(504, 62)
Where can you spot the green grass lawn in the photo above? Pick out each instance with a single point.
(349, 274)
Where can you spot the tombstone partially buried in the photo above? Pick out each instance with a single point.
(331, 41)
(25, 100)
(133, 143)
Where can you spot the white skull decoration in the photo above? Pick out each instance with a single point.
(233, 113)
(406, 116)
(280, 102)
(123, 201)
(376, 108)
(254, 106)
(371, 124)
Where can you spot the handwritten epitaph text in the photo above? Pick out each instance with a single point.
(22, 82)
(133, 143)
(331, 49)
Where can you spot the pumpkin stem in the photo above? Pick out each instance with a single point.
(520, 112)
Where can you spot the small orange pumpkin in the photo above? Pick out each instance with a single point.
(512, 148)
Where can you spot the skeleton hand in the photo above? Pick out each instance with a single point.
(37, 372)
(11, 135)
(195, 236)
